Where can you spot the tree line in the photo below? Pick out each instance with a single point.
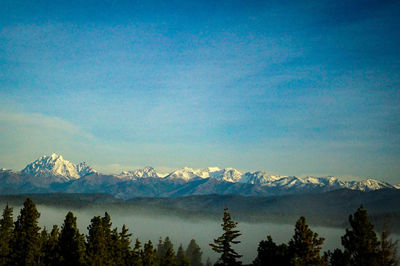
(24, 242)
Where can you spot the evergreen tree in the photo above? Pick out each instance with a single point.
(110, 244)
(120, 247)
(360, 242)
(387, 255)
(169, 258)
(26, 237)
(51, 248)
(124, 246)
(337, 258)
(96, 243)
(305, 246)
(6, 231)
(71, 243)
(166, 253)
(181, 258)
(160, 248)
(136, 257)
(149, 256)
(270, 253)
(208, 263)
(44, 238)
(223, 243)
(193, 253)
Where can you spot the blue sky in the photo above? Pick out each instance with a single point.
(292, 87)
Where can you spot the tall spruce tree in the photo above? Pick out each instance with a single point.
(337, 258)
(223, 244)
(6, 231)
(166, 253)
(193, 253)
(181, 258)
(270, 253)
(123, 247)
(110, 245)
(26, 236)
(51, 248)
(71, 243)
(44, 238)
(387, 255)
(96, 249)
(305, 246)
(149, 255)
(360, 243)
(136, 256)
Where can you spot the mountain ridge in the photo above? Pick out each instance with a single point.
(55, 174)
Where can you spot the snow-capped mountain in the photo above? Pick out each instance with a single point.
(292, 182)
(55, 165)
(187, 174)
(259, 178)
(55, 174)
(147, 172)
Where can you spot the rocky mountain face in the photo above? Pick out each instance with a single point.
(55, 174)
(55, 166)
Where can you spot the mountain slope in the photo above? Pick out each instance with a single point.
(55, 174)
(55, 166)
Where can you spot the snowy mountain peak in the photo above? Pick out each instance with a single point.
(187, 173)
(55, 165)
(259, 177)
(212, 169)
(227, 174)
(146, 172)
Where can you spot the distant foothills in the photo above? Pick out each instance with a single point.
(53, 173)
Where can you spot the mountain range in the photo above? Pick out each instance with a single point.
(55, 174)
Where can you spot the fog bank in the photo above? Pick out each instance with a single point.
(149, 227)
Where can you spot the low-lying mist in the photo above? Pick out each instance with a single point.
(182, 230)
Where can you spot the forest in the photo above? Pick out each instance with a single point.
(24, 242)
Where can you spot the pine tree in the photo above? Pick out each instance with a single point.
(223, 243)
(44, 238)
(149, 256)
(270, 253)
(136, 257)
(26, 236)
(6, 232)
(51, 248)
(305, 246)
(107, 225)
(181, 258)
(96, 243)
(387, 255)
(166, 253)
(71, 243)
(160, 248)
(169, 258)
(124, 246)
(337, 258)
(193, 253)
(360, 243)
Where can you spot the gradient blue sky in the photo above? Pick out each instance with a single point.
(292, 87)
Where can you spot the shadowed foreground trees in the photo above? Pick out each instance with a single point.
(360, 243)
(23, 242)
(6, 234)
(303, 249)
